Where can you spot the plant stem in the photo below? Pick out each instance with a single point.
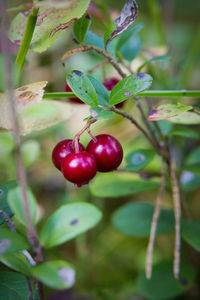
(111, 60)
(149, 93)
(177, 212)
(133, 121)
(25, 44)
(30, 292)
(101, 64)
(16, 134)
(148, 124)
(154, 224)
(77, 136)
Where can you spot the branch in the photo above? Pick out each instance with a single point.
(149, 93)
(30, 292)
(177, 212)
(16, 134)
(154, 224)
(100, 51)
(8, 220)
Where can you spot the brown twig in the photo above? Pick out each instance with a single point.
(177, 212)
(100, 51)
(30, 292)
(154, 224)
(133, 121)
(101, 64)
(77, 136)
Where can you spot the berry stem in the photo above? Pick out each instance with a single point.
(77, 136)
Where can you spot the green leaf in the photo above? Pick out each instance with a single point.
(17, 262)
(187, 118)
(95, 40)
(82, 87)
(194, 168)
(189, 181)
(184, 132)
(119, 184)
(135, 219)
(100, 113)
(6, 145)
(193, 157)
(53, 17)
(81, 27)
(138, 159)
(30, 151)
(14, 286)
(3, 85)
(69, 221)
(153, 60)
(55, 274)
(132, 48)
(190, 231)
(11, 241)
(126, 35)
(167, 111)
(110, 28)
(163, 285)
(4, 189)
(16, 203)
(101, 91)
(129, 86)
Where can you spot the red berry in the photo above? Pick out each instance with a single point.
(61, 150)
(109, 84)
(79, 168)
(75, 100)
(107, 151)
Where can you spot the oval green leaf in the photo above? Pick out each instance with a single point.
(167, 111)
(17, 262)
(16, 203)
(81, 27)
(4, 189)
(55, 274)
(138, 159)
(102, 92)
(186, 118)
(163, 285)
(135, 219)
(114, 185)
(11, 241)
(129, 86)
(191, 233)
(82, 87)
(69, 221)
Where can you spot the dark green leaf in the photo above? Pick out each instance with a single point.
(81, 27)
(191, 233)
(69, 221)
(153, 60)
(4, 189)
(132, 48)
(193, 157)
(189, 181)
(194, 168)
(119, 184)
(101, 91)
(17, 262)
(100, 113)
(167, 111)
(184, 132)
(82, 87)
(11, 241)
(129, 33)
(135, 219)
(15, 201)
(55, 274)
(138, 159)
(14, 286)
(95, 40)
(129, 86)
(163, 285)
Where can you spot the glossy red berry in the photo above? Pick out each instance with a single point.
(61, 150)
(79, 168)
(75, 100)
(109, 84)
(107, 151)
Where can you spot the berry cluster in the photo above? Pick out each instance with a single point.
(79, 165)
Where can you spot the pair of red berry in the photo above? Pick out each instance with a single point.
(103, 154)
(108, 83)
